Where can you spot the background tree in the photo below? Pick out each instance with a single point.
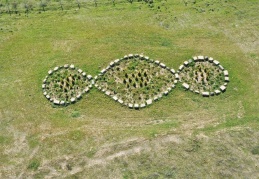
(14, 7)
(43, 4)
(78, 4)
(131, 1)
(28, 7)
(8, 7)
(61, 4)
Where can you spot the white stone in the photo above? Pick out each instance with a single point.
(146, 58)
(89, 77)
(72, 66)
(166, 93)
(186, 63)
(120, 101)
(212, 93)
(78, 96)
(47, 96)
(157, 62)
(223, 88)
(169, 89)
(92, 82)
(130, 105)
(195, 58)
(56, 68)
(126, 57)
(108, 93)
(142, 105)
(205, 94)
(136, 55)
(175, 81)
(162, 65)
(217, 92)
(43, 86)
(73, 99)
(50, 72)
(141, 57)
(197, 92)
(172, 71)
(96, 85)
(84, 74)
(216, 62)
(160, 95)
(221, 67)
(226, 79)
(201, 58)
(173, 86)
(115, 98)
(51, 99)
(226, 73)
(112, 64)
(130, 55)
(66, 66)
(177, 76)
(211, 59)
(56, 101)
(45, 93)
(225, 84)
(136, 105)
(80, 71)
(108, 67)
(103, 71)
(149, 101)
(62, 102)
(181, 67)
(86, 90)
(155, 98)
(186, 86)
(116, 61)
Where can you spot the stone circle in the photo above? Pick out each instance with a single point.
(136, 80)
(66, 84)
(203, 75)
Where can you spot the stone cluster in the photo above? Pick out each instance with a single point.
(195, 59)
(47, 91)
(147, 102)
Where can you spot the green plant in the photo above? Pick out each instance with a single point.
(255, 150)
(34, 164)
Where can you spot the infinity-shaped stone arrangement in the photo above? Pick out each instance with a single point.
(135, 80)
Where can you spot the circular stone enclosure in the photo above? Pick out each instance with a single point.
(136, 80)
(203, 75)
(66, 84)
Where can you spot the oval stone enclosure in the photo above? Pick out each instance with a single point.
(65, 84)
(136, 80)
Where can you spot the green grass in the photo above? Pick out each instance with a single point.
(99, 137)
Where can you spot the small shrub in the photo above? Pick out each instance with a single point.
(75, 114)
(34, 165)
(255, 150)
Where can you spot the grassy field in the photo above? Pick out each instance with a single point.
(182, 135)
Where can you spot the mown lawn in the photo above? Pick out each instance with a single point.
(97, 137)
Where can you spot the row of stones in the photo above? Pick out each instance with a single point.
(222, 88)
(73, 99)
(141, 57)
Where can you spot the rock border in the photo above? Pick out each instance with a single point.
(201, 58)
(147, 102)
(59, 102)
